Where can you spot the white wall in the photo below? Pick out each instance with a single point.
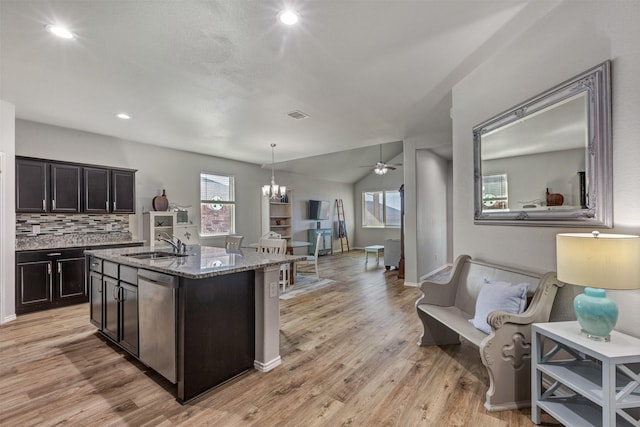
(178, 173)
(7, 212)
(392, 180)
(432, 176)
(416, 239)
(572, 38)
(305, 189)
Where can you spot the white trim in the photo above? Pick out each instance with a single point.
(266, 367)
(9, 318)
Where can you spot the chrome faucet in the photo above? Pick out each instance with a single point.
(178, 246)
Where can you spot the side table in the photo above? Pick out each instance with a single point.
(588, 383)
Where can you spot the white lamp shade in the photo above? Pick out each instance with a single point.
(608, 261)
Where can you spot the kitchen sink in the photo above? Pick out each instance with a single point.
(155, 255)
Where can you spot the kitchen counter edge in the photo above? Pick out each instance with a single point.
(192, 262)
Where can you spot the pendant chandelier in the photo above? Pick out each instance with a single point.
(273, 190)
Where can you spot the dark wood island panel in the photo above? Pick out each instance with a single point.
(216, 335)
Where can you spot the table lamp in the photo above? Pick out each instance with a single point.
(599, 262)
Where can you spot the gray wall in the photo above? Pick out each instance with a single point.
(392, 180)
(420, 242)
(573, 37)
(7, 212)
(305, 189)
(432, 202)
(178, 172)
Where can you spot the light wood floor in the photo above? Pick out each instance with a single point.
(349, 359)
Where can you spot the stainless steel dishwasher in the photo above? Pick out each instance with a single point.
(157, 321)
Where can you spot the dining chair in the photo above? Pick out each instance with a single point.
(313, 260)
(277, 246)
(271, 235)
(233, 242)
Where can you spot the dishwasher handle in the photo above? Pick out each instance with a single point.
(161, 279)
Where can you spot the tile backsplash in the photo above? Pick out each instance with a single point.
(60, 224)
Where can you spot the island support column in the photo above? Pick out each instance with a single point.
(267, 289)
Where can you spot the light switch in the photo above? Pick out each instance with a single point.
(273, 289)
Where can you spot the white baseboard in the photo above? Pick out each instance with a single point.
(266, 367)
(412, 284)
(8, 319)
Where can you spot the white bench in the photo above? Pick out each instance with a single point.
(449, 301)
(374, 249)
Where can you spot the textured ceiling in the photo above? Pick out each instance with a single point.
(219, 77)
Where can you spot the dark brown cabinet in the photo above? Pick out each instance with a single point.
(97, 185)
(95, 299)
(61, 187)
(128, 297)
(32, 186)
(120, 308)
(65, 188)
(109, 190)
(35, 285)
(47, 279)
(123, 193)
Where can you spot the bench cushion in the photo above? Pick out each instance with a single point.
(498, 296)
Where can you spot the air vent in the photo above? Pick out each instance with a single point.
(297, 114)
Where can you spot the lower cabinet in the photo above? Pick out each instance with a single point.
(48, 279)
(95, 298)
(119, 306)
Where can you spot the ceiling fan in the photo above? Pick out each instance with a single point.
(381, 168)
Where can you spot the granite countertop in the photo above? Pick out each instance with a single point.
(75, 240)
(200, 262)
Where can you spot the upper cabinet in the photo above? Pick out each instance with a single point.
(59, 187)
(97, 187)
(32, 186)
(65, 188)
(123, 193)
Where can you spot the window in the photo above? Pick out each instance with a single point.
(217, 205)
(494, 192)
(381, 209)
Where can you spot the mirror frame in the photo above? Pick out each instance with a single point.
(599, 175)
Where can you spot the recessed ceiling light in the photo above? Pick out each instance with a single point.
(288, 17)
(123, 116)
(59, 31)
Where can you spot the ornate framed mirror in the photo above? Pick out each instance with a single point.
(547, 161)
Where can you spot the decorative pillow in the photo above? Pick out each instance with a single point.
(498, 296)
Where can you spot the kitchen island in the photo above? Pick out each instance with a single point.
(199, 319)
